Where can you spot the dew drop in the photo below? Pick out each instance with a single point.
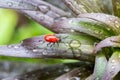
(113, 61)
(75, 44)
(62, 18)
(72, 30)
(81, 6)
(41, 42)
(66, 44)
(44, 53)
(10, 4)
(70, 21)
(79, 74)
(106, 16)
(113, 67)
(44, 8)
(117, 24)
(108, 29)
(16, 47)
(66, 69)
(97, 32)
(42, 18)
(75, 78)
(110, 19)
(119, 56)
(27, 51)
(76, 52)
(9, 46)
(35, 50)
(97, 78)
(13, 46)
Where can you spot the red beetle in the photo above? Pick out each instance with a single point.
(51, 38)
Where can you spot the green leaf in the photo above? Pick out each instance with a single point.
(110, 20)
(100, 64)
(86, 6)
(113, 66)
(116, 7)
(8, 21)
(18, 4)
(113, 41)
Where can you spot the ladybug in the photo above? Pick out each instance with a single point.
(51, 38)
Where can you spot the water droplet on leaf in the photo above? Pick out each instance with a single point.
(75, 44)
(10, 4)
(44, 8)
(113, 61)
(35, 50)
(75, 78)
(70, 21)
(72, 30)
(66, 69)
(44, 53)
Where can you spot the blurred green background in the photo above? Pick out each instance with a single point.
(15, 27)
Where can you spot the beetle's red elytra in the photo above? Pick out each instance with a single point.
(51, 38)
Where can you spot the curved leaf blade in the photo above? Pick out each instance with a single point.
(113, 66)
(83, 25)
(85, 6)
(112, 21)
(52, 72)
(73, 47)
(116, 7)
(113, 41)
(100, 64)
(18, 4)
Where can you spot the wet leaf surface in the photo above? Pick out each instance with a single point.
(83, 25)
(84, 31)
(112, 21)
(113, 66)
(71, 47)
(18, 4)
(100, 64)
(41, 18)
(116, 7)
(10, 68)
(77, 74)
(113, 41)
(50, 73)
(85, 6)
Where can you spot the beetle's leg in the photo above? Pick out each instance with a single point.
(57, 44)
(65, 37)
(48, 44)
